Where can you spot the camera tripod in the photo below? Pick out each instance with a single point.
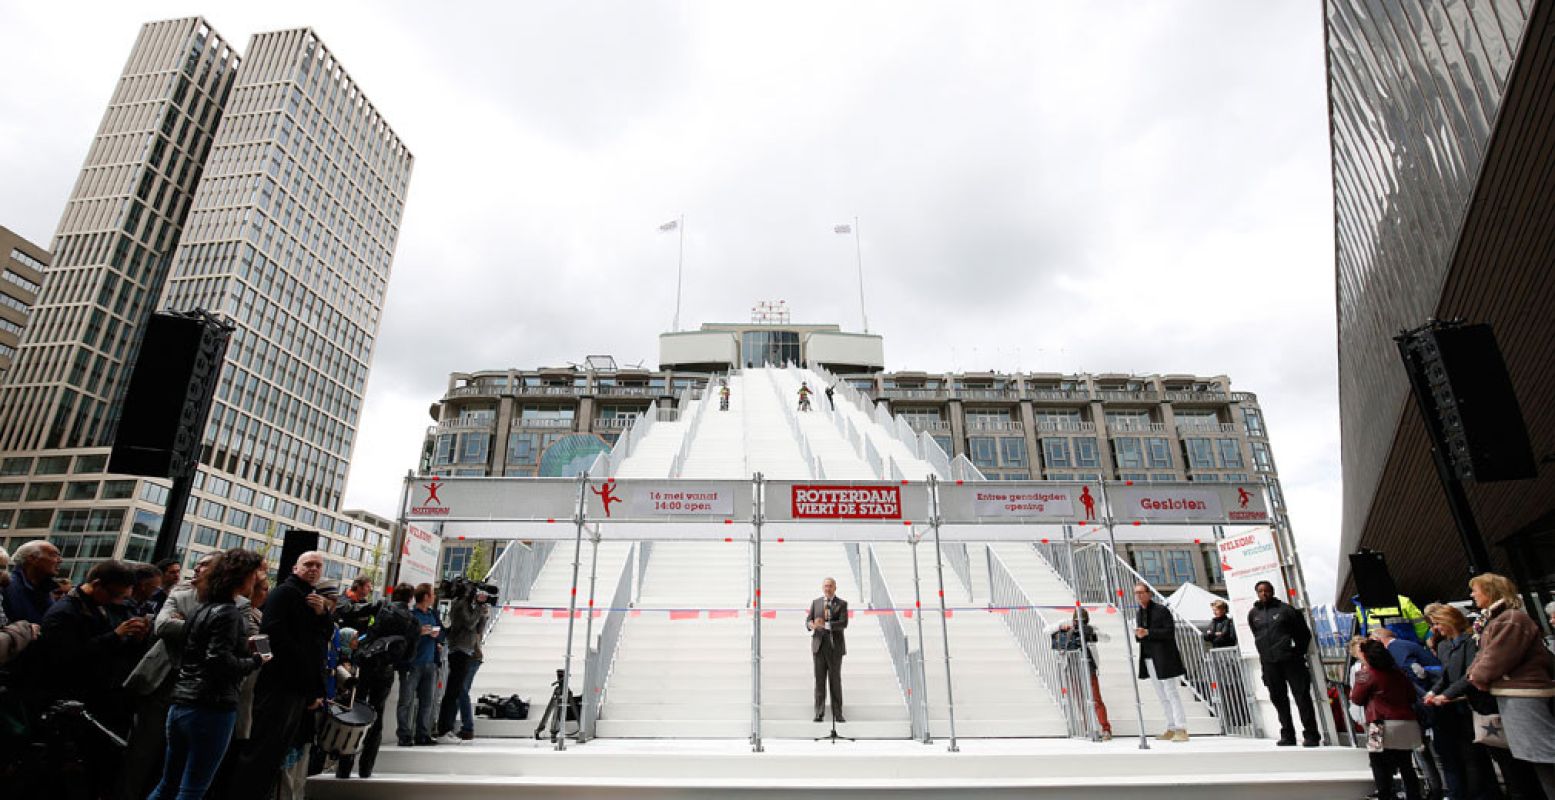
(555, 718)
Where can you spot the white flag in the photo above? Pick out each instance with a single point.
(669, 226)
(843, 229)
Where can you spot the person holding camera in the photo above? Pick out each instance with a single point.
(467, 610)
(393, 634)
(218, 654)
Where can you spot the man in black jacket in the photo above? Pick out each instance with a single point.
(1282, 636)
(827, 623)
(1159, 660)
(299, 623)
(78, 640)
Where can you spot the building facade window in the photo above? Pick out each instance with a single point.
(1086, 453)
(1230, 453)
(1262, 462)
(1128, 453)
(1150, 566)
(1201, 452)
(1012, 452)
(472, 450)
(1055, 453)
(1159, 453)
(1180, 566)
(982, 451)
(1252, 419)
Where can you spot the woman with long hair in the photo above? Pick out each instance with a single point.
(1392, 728)
(216, 658)
(1465, 765)
(1514, 667)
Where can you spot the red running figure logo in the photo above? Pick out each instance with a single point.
(1089, 502)
(606, 494)
(432, 491)
(1242, 496)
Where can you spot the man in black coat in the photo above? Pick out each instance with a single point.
(827, 620)
(299, 622)
(1282, 636)
(78, 643)
(1160, 661)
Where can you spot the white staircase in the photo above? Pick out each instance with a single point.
(653, 455)
(1114, 669)
(769, 444)
(718, 451)
(524, 652)
(791, 576)
(997, 691)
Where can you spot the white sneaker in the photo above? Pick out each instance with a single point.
(450, 738)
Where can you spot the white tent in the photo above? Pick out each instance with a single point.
(1191, 602)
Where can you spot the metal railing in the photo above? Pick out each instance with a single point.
(898, 427)
(1087, 570)
(644, 552)
(962, 469)
(1181, 396)
(1065, 395)
(872, 458)
(1135, 426)
(540, 422)
(516, 568)
(629, 391)
(855, 562)
(1235, 701)
(600, 655)
(994, 426)
(930, 451)
(959, 558)
(791, 416)
(907, 662)
(1130, 394)
(1064, 673)
(467, 424)
(919, 424)
(697, 405)
(1066, 427)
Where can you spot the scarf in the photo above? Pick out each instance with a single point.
(1492, 612)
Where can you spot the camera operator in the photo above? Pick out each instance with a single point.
(467, 611)
(357, 608)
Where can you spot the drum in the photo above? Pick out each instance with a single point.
(344, 727)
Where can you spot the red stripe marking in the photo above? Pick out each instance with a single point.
(727, 539)
(1137, 523)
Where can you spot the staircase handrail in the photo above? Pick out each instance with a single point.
(1091, 561)
(698, 411)
(897, 644)
(872, 458)
(800, 437)
(958, 555)
(935, 455)
(515, 570)
(644, 551)
(601, 654)
(1060, 671)
(962, 469)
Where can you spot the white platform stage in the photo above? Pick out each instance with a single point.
(1207, 768)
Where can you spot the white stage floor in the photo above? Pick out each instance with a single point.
(1207, 767)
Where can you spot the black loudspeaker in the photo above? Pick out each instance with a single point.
(1482, 426)
(163, 415)
(292, 547)
(1373, 582)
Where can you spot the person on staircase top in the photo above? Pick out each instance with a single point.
(723, 395)
(804, 396)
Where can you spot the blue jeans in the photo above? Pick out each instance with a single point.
(197, 739)
(466, 710)
(416, 710)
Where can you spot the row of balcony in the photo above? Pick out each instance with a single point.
(1057, 395)
(649, 392)
(942, 426)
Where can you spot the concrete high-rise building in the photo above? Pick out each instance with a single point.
(116, 239)
(1444, 207)
(277, 205)
(21, 265)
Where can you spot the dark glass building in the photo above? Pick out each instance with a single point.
(1444, 206)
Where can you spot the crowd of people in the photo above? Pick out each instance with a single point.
(1472, 698)
(146, 682)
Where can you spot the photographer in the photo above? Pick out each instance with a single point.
(393, 634)
(467, 610)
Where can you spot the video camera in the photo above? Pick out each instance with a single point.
(462, 588)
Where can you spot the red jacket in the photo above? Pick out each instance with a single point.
(1384, 694)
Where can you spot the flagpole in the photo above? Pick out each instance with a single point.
(859, 249)
(680, 263)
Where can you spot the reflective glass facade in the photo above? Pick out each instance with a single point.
(1414, 87)
(774, 348)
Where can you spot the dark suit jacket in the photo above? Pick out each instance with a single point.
(839, 622)
(1160, 642)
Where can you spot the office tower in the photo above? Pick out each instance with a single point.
(277, 205)
(21, 265)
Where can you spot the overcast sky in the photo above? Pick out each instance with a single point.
(1116, 188)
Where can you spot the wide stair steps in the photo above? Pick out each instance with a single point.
(873, 702)
(997, 691)
(770, 446)
(522, 653)
(654, 454)
(718, 451)
(685, 678)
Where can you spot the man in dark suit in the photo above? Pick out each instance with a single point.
(827, 620)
